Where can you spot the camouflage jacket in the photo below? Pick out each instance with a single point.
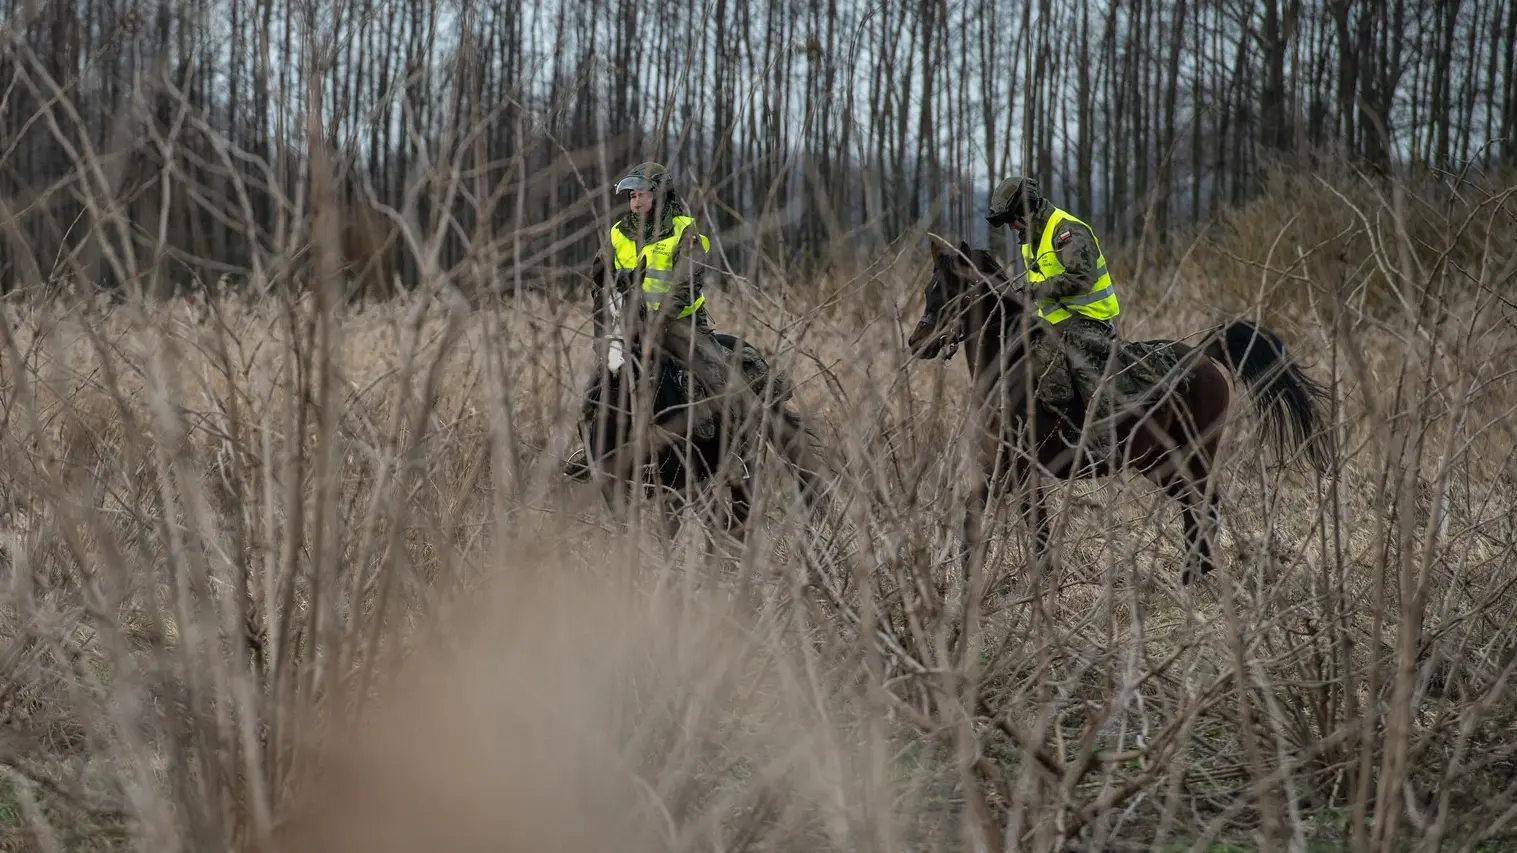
(1075, 246)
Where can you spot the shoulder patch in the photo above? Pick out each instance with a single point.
(1064, 237)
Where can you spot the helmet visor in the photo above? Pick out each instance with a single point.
(1015, 208)
(636, 183)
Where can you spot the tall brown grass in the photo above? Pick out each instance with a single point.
(285, 574)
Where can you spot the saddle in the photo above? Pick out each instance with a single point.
(756, 368)
(1144, 372)
(761, 377)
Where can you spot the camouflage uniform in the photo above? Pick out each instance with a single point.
(710, 359)
(1069, 358)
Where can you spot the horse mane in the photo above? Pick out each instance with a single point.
(989, 268)
(987, 276)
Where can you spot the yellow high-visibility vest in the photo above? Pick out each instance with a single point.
(659, 273)
(1099, 303)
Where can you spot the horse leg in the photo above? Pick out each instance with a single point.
(1204, 520)
(742, 508)
(682, 471)
(1190, 492)
(616, 495)
(1035, 512)
(672, 513)
(734, 469)
(1210, 525)
(740, 494)
(974, 525)
(1197, 549)
(1032, 490)
(1206, 504)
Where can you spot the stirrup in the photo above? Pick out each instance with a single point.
(577, 465)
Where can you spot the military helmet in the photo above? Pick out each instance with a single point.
(1015, 198)
(644, 177)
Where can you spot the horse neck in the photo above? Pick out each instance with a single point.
(990, 323)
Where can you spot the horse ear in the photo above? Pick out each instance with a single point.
(934, 245)
(964, 247)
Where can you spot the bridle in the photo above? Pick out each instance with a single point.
(1000, 284)
(957, 330)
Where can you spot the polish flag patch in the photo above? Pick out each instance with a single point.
(1063, 238)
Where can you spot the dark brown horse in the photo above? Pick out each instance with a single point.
(1171, 438)
(663, 459)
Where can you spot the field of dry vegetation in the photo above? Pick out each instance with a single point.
(285, 575)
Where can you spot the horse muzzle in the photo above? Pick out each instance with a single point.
(924, 341)
(928, 342)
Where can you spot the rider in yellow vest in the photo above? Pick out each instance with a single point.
(658, 228)
(1071, 287)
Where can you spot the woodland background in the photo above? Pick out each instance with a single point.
(805, 133)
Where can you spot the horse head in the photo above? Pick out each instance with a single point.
(957, 275)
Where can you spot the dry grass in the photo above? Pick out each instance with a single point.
(238, 532)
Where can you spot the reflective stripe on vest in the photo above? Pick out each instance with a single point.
(1098, 303)
(660, 255)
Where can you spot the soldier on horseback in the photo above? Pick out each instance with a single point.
(1072, 290)
(657, 230)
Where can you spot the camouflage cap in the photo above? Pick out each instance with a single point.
(644, 177)
(1014, 198)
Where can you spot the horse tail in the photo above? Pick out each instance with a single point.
(1289, 400)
